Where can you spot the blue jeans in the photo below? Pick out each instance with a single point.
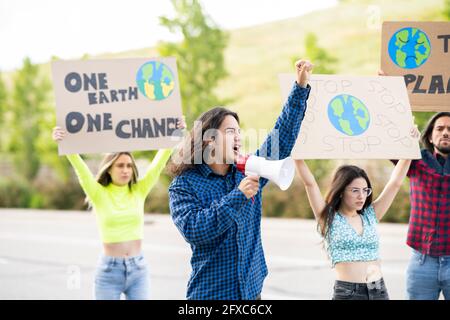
(375, 290)
(427, 276)
(115, 276)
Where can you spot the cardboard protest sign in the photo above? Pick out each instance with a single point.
(349, 117)
(420, 52)
(117, 105)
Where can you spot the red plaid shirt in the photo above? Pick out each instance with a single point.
(429, 222)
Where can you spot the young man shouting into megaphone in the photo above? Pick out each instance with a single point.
(210, 199)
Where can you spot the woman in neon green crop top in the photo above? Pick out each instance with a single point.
(117, 198)
(347, 219)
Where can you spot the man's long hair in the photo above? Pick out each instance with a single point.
(193, 146)
(426, 135)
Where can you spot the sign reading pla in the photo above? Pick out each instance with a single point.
(419, 51)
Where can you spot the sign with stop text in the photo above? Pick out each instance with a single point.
(350, 117)
(117, 105)
(420, 52)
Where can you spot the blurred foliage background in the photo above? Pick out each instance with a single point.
(237, 68)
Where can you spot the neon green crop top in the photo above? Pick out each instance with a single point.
(119, 211)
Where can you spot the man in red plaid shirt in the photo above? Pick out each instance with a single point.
(429, 224)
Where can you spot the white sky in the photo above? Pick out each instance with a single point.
(68, 29)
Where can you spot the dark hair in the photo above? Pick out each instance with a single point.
(342, 178)
(211, 119)
(425, 137)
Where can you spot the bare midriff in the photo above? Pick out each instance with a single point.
(359, 271)
(123, 249)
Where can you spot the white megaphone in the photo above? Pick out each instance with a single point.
(279, 171)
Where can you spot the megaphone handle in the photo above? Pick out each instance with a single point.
(248, 173)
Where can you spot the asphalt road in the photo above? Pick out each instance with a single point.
(53, 255)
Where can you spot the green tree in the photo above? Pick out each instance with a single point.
(199, 56)
(3, 109)
(322, 60)
(28, 108)
(447, 9)
(421, 118)
(44, 143)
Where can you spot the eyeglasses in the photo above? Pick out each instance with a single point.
(364, 191)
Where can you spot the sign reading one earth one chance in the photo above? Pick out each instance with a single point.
(420, 52)
(351, 117)
(117, 105)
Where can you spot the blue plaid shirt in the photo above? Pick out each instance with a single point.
(221, 225)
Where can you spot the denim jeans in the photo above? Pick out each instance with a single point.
(427, 276)
(115, 276)
(360, 291)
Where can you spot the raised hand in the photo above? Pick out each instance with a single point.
(414, 132)
(303, 69)
(58, 134)
(181, 123)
